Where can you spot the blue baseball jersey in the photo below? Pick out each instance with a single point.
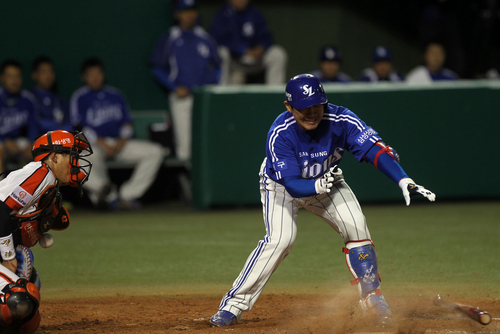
(369, 75)
(186, 57)
(104, 111)
(292, 151)
(443, 74)
(240, 30)
(52, 113)
(339, 78)
(17, 115)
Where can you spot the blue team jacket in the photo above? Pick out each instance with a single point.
(240, 30)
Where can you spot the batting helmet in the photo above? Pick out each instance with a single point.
(305, 90)
(73, 143)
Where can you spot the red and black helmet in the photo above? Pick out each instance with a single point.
(73, 143)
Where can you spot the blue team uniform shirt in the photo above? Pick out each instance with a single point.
(292, 151)
(443, 74)
(53, 112)
(104, 111)
(17, 115)
(240, 30)
(186, 57)
(339, 78)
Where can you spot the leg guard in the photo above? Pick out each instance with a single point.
(362, 262)
(25, 260)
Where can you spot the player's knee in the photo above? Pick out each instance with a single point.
(19, 312)
(276, 54)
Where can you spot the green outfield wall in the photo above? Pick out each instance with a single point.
(445, 133)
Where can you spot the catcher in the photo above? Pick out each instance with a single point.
(31, 204)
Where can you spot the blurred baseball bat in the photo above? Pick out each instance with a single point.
(481, 316)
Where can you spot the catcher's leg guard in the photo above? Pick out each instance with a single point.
(25, 260)
(362, 261)
(19, 307)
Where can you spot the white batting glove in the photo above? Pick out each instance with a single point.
(411, 189)
(324, 183)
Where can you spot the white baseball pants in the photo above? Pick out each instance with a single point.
(339, 208)
(147, 157)
(181, 110)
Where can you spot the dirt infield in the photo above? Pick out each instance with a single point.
(272, 314)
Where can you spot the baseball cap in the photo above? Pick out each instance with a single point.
(381, 53)
(185, 4)
(330, 53)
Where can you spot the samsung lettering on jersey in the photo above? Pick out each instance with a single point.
(311, 171)
(319, 154)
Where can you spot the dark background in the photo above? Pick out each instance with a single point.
(125, 32)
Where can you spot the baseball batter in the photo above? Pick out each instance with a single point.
(304, 146)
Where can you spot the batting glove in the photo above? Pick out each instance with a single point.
(324, 183)
(411, 189)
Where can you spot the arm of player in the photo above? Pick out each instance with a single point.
(387, 161)
(299, 187)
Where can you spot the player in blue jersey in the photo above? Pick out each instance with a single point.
(330, 60)
(381, 69)
(53, 111)
(103, 113)
(304, 146)
(247, 45)
(18, 127)
(433, 70)
(184, 58)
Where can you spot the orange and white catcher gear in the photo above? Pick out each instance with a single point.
(19, 302)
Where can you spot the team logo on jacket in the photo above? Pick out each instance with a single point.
(21, 196)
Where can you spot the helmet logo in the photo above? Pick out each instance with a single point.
(308, 90)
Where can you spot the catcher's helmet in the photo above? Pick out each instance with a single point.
(305, 90)
(73, 143)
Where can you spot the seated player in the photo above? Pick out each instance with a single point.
(53, 111)
(381, 69)
(330, 61)
(433, 69)
(17, 116)
(103, 114)
(19, 301)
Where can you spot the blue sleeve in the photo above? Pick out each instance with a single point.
(364, 78)
(263, 35)
(299, 187)
(158, 56)
(33, 130)
(386, 164)
(162, 76)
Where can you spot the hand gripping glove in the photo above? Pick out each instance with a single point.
(411, 189)
(324, 183)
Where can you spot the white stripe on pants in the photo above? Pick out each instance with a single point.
(339, 208)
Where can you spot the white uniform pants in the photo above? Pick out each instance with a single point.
(147, 157)
(339, 208)
(181, 110)
(274, 62)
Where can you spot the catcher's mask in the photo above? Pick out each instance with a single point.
(73, 143)
(19, 308)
